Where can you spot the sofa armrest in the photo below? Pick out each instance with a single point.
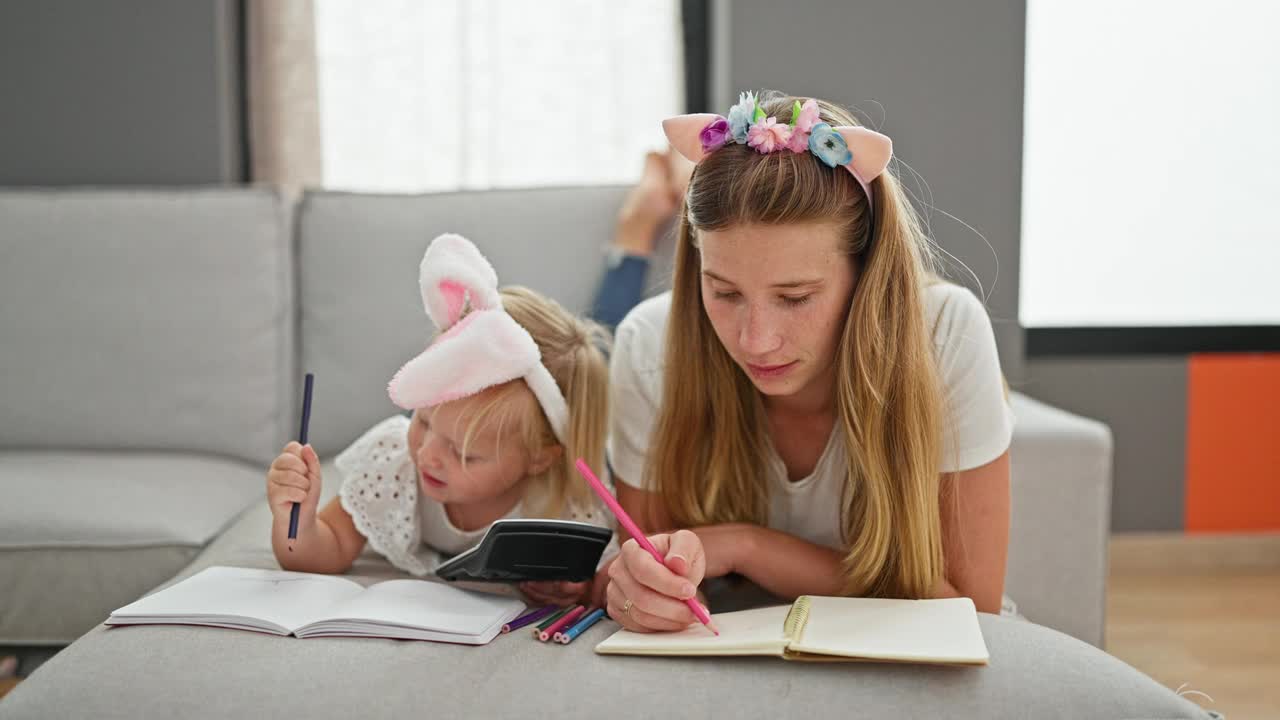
(1061, 517)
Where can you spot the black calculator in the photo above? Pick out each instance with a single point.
(515, 551)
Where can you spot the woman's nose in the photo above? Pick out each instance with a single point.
(758, 335)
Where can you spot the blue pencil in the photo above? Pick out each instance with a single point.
(581, 626)
(302, 438)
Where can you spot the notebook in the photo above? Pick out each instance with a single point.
(828, 629)
(306, 605)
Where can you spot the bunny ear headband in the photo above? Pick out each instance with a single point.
(480, 345)
(864, 153)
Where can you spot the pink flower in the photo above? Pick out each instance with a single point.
(799, 141)
(802, 121)
(808, 116)
(768, 135)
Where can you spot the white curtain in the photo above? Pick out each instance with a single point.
(435, 95)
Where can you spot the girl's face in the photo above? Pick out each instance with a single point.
(495, 463)
(777, 296)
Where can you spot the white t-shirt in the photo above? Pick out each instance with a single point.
(978, 425)
(380, 493)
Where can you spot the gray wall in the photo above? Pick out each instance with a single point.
(120, 92)
(944, 80)
(1144, 401)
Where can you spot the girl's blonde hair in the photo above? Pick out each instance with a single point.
(707, 454)
(573, 351)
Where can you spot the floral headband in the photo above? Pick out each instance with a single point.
(480, 346)
(864, 153)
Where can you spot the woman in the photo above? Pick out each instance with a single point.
(810, 406)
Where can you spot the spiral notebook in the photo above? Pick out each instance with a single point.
(306, 605)
(828, 629)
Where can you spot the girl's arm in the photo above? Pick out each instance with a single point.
(327, 541)
(328, 545)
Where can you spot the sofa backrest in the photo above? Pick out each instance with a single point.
(146, 319)
(361, 311)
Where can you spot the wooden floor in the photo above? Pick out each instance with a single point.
(1204, 611)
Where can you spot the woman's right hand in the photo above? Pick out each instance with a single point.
(294, 477)
(645, 595)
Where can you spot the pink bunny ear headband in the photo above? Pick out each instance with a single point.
(864, 153)
(480, 346)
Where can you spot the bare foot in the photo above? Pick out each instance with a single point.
(649, 204)
(679, 169)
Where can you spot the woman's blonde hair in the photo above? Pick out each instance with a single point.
(707, 454)
(573, 351)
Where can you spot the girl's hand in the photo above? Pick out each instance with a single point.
(564, 594)
(560, 593)
(294, 476)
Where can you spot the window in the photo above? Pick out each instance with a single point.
(473, 94)
(1151, 165)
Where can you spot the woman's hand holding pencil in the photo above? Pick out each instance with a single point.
(654, 580)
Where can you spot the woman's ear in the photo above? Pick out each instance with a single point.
(544, 458)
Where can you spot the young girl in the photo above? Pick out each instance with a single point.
(511, 392)
(851, 426)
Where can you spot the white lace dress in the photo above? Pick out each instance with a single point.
(380, 492)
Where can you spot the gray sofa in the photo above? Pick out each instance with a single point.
(150, 346)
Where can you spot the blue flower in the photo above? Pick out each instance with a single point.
(829, 146)
(741, 117)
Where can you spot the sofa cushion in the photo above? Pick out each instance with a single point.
(1060, 474)
(83, 533)
(361, 310)
(194, 672)
(146, 319)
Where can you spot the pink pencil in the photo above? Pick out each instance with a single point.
(562, 623)
(632, 528)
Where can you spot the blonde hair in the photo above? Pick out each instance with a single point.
(707, 457)
(573, 351)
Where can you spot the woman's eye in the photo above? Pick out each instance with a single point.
(796, 300)
(730, 295)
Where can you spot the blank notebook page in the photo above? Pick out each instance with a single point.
(427, 605)
(910, 630)
(286, 599)
(747, 632)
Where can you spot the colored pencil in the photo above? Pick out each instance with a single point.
(581, 626)
(550, 621)
(562, 623)
(532, 616)
(302, 439)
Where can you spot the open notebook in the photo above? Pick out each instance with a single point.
(828, 629)
(306, 605)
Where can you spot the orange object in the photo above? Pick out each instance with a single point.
(1233, 443)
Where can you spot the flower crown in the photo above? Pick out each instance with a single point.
(864, 153)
